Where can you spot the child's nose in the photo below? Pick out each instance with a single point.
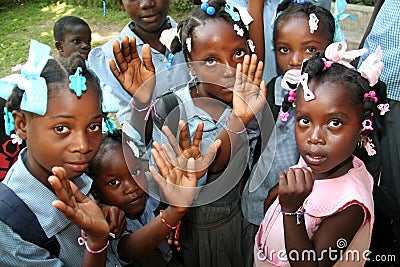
(296, 60)
(316, 136)
(81, 143)
(130, 186)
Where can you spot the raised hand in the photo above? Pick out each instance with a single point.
(186, 149)
(249, 93)
(78, 208)
(294, 187)
(131, 71)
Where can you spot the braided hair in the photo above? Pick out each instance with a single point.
(199, 17)
(288, 10)
(357, 87)
(58, 71)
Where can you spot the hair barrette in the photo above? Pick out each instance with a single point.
(77, 82)
(206, 7)
(313, 23)
(8, 121)
(108, 125)
(384, 108)
(234, 15)
(301, 2)
(239, 31)
(372, 95)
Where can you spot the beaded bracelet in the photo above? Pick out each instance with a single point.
(176, 227)
(300, 212)
(232, 131)
(83, 240)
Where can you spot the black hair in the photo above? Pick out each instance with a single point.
(66, 24)
(197, 17)
(288, 10)
(58, 71)
(356, 87)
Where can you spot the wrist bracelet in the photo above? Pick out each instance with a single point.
(148, 108)
(83, 240)
(176, 227)
(300, 212)
(230, 130)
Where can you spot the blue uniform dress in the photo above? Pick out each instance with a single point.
(15, 251)
(99, 62)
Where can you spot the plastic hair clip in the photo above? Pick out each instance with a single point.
(170, 59)
(77, 82)
(234, 15)
(8, 121)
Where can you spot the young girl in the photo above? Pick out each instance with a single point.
(324, 211)
(294, 41)
(214, 41)
(112, 169)
(72, 34)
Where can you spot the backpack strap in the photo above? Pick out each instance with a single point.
(166, 104)
(16, 214)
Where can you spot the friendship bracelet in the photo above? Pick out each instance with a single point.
(176, 227)
(300, 212)
(83, 240)
(230, 130)
(148, 108)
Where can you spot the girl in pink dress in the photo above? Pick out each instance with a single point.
(323, 215)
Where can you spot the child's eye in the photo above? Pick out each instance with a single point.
(61, 129)
(335, 123)
(310, 49)
(113, 182)
(210, 62)
(95, 127)
(77, 41)
(136, 172)
(303, 122)
(240, 53)
(284, 50)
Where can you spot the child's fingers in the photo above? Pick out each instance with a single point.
(209, 156)
(198, 135)
(126, 49)
(147, 58)
(172, 140)
(252, 68)
(160, 162)
(160, 180)
(258, 73)
(161, 153)
(246, 65)
(184, 135)
(263, 89)
(119, 57)
(172, 161)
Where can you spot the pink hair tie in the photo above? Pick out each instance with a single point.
(367, 125)
(292, 96)
(283, 115)
(383, 108)
(371, 94)
(327, 64)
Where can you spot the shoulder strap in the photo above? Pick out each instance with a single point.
(164, 106)
(271, 98)
(16, 214)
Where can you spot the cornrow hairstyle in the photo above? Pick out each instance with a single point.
(66, 24)
(356, 87)
(199, 17)
(58, 71)
(288, 10)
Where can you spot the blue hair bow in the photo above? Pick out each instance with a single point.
(340, 6)
(110, 103)
(34, 98)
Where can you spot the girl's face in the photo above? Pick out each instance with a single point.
(293, 43)
(68, 135)
(216, 50)
(326, 137)
(149, 16)
(77, 40)
(115, 186)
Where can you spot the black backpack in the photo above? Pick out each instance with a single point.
(16, 214)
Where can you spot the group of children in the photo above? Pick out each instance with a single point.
(236, 184)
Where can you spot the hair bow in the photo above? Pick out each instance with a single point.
(372, 67)
(130, 131)
(340, 6)
(34, 98)
(335, 52)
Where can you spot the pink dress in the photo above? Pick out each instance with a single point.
(327, 198)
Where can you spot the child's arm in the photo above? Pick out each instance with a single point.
(83, 212)
(256, 10)
(249, 97)
(294, 186)
(178, 184)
